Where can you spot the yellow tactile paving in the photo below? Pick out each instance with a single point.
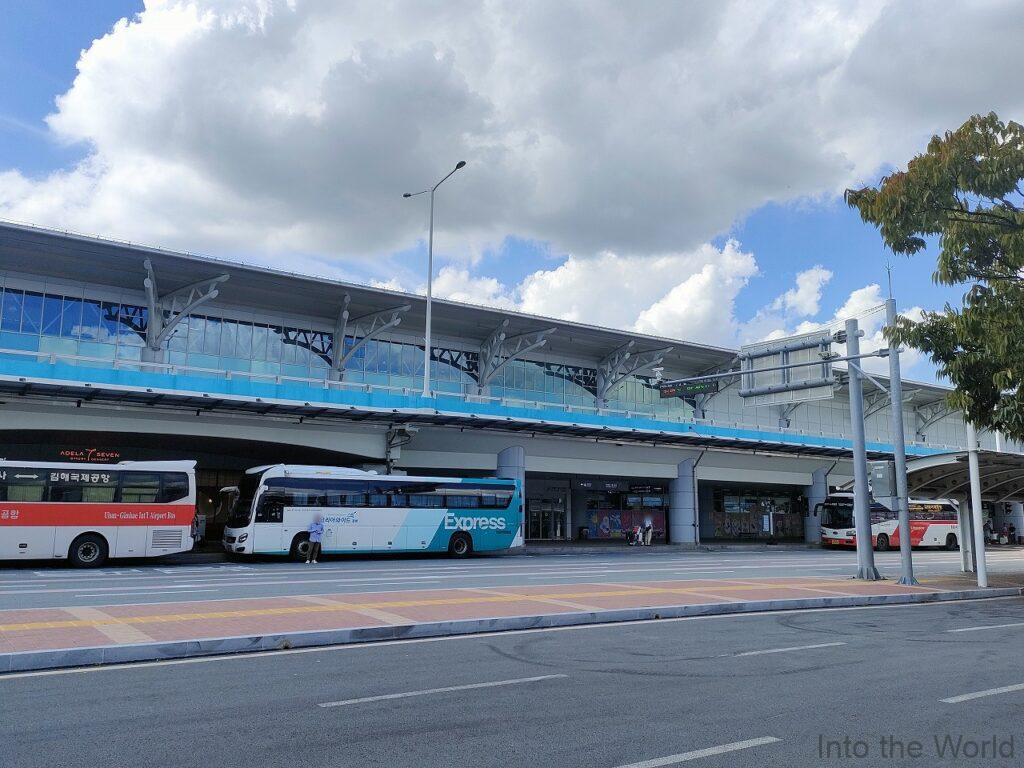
(634, 590)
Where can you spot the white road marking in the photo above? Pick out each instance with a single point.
(154, 592)
(786, 650)
(983, 694)
(987, 626)
(447, 689)
(697, 754)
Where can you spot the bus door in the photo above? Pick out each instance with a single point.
(268, 528)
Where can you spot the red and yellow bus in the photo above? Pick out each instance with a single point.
(933, 523)
(87, 513)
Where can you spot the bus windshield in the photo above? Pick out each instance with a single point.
(241, 509)
(836, 515)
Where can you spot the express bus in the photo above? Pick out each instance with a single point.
(366, 512)
(933, 523)
(89, 512)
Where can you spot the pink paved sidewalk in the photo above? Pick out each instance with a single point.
(43, 629)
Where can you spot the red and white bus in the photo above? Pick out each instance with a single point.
(933, 523)
(86, 513)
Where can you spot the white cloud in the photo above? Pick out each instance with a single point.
(805, 297)
(269, 127)
(457, 284)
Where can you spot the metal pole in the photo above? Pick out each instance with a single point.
(861, 501)
(430, 293)
(899, 451)
(976, 511)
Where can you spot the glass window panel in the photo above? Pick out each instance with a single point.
(290, 339)
(129, 352)
(10, 319)
(274, 344)
(32, 313)
(196, 329)
(259, 342)
(92, 321)
(395, 359)
(243, 341)
(369, 353)
(111, 313)
(211, 341)
(228, 338)
(178, 340)
(71, 318)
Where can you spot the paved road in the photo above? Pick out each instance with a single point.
(735, 691)
(53, 585)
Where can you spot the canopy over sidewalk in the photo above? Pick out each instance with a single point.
(947, 475)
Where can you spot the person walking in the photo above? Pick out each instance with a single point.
(316, 532)
(648, 531)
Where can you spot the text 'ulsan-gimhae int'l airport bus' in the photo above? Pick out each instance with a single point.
(933, 523)
(367, 512)
(86, 513)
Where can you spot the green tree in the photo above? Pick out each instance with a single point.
(966, 191)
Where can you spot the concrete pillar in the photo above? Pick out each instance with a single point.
(512, 465)
(1016, 517)
(816, 493)
(682, 508)
(965, 535)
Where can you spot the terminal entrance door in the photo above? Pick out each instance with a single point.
(546, 518)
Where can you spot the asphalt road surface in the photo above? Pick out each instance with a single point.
(52, 585)
(803, 688)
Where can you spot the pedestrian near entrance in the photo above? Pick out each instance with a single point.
(648, 532)
(316, 532)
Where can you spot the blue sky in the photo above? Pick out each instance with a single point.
(41, 42)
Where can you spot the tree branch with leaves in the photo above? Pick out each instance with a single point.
(965, 190)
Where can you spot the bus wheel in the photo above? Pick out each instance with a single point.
(300, 548)
(460, 545)
(951, 543)
(88, 551)
(882, 543)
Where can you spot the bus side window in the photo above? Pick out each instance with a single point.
(426, 500)
(25, 485)
(139, 487)
(174, 486)
(455, 501)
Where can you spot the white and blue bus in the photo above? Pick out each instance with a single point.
(366, 512)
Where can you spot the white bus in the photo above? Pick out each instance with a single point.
(366, 512)
(933, 523)
(85, 513)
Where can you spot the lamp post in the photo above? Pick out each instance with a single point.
(430, 273)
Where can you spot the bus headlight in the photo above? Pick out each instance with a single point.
(848, 533)
(243, 537)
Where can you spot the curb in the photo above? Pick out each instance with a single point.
(185, 649)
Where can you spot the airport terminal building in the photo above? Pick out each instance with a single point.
(111, 351)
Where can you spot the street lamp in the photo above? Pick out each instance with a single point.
(430, 273)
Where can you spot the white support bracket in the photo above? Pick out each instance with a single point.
(178, 304)
(499, 349)
(363, 329)
(621, 363)
(785, 414)
(929, 414)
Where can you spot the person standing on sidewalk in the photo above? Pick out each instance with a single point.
(316, 532)
(648, 531)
